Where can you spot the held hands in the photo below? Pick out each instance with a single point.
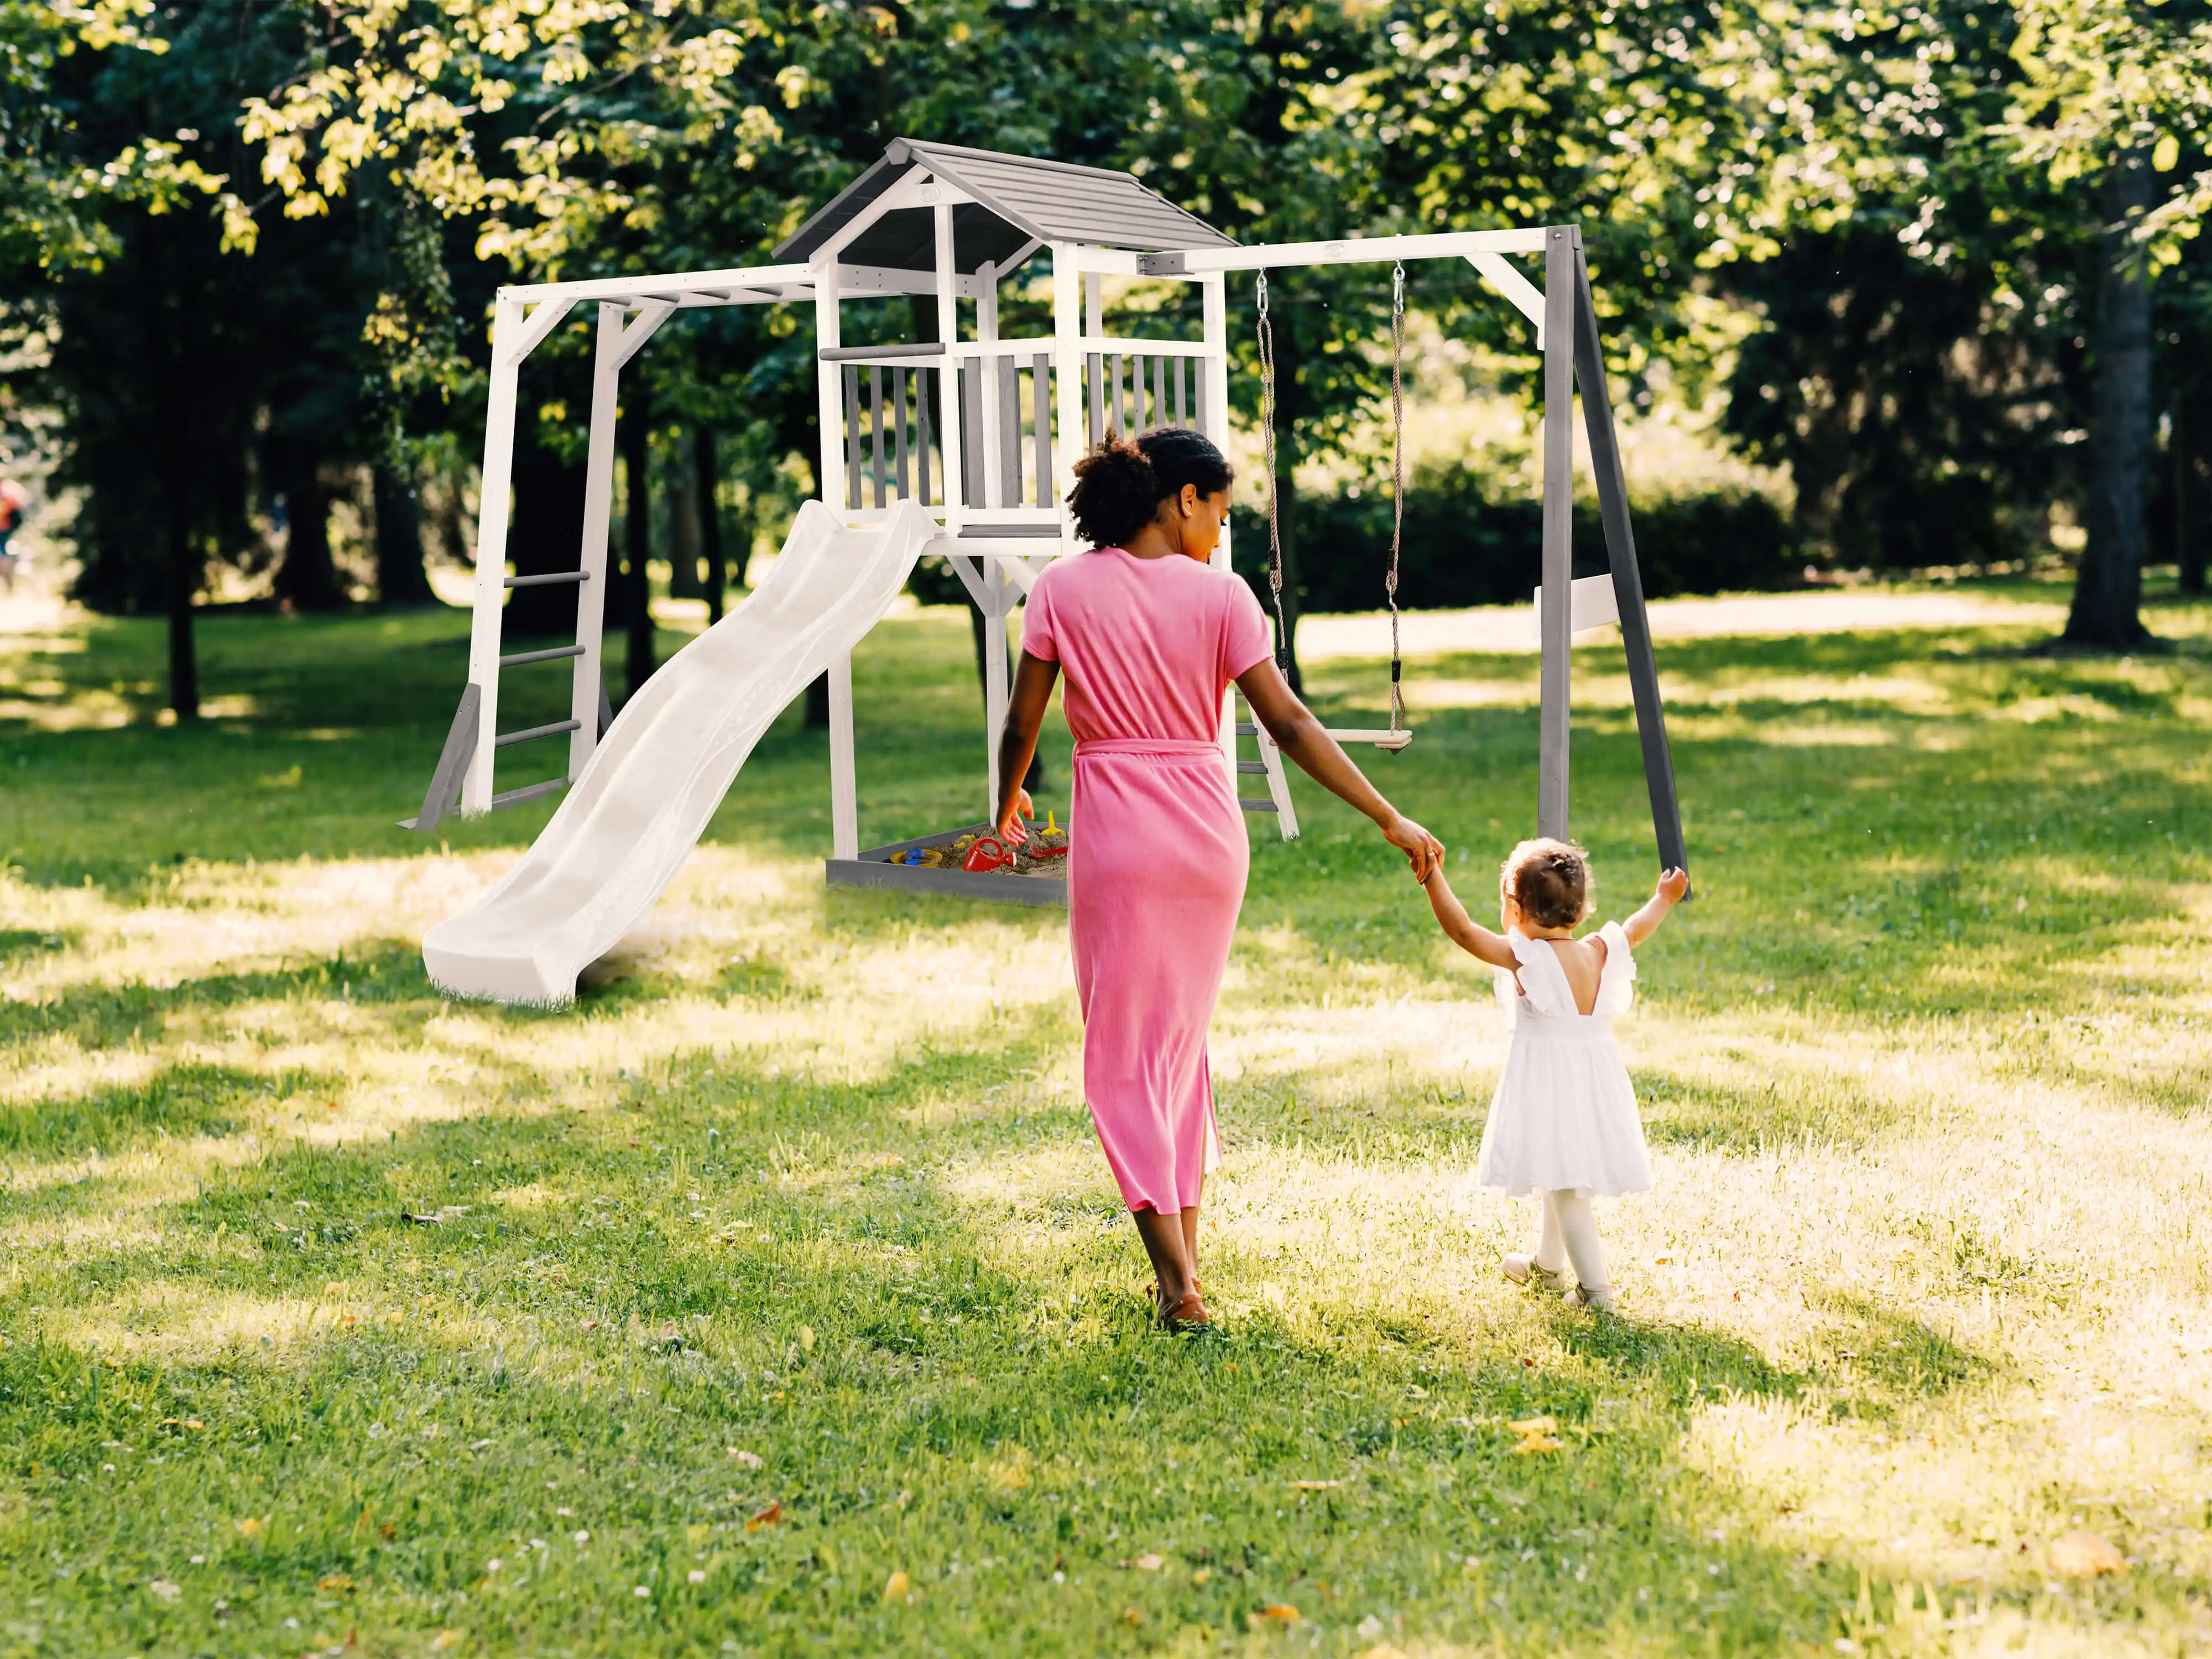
(1672, 885)
(1010, 826)
(1423, 851)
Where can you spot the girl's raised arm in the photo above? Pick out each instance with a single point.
(1645, 922)
(1470, 935)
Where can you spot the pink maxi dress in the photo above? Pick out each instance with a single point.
(1157, 856)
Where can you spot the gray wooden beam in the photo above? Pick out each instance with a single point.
(1627, 577)
(443, 797)
(1553, 715)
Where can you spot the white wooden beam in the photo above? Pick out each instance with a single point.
(679, 282)
(598, 509)
(1525, 296)
(650, 315)
(495, 502)
(1362, 250)
(543, 319)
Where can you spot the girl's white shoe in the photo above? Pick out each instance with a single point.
(1521, 1268)
(1582, 1296)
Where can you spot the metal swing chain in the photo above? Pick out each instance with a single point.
(1397, 480)
(1266, 342)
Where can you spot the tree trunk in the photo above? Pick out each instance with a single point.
(2108, 590)
(184, 573)
(400, 579)
(680, 490)
(638, 537)
(544, 535)
(1286, 490)
(307, 581)
(706, 476)
(2188, 533)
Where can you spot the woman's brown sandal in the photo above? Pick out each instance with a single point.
(1187, 1315)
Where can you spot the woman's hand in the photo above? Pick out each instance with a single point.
(1423, 851)
(1010, 826)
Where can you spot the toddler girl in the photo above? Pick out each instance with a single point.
(1564, 1122)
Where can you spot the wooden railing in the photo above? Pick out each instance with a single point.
(893, 406)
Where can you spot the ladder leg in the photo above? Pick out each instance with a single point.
(1279, 785)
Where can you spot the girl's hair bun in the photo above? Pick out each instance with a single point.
(1549, 879)
(1120, 484)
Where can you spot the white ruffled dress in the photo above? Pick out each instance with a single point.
(1564, 1114)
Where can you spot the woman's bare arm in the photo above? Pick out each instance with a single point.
(1645, 922)
(1300, 736)
(1034, 678)
(1470, 935)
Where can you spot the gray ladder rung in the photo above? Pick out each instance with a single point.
(1246, 729)
(528, 792)
(1259, 767)
(554, 653)
(1252, 805)
(551, 581)
(531, 734)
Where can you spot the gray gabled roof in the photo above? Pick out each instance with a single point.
(1018, 200)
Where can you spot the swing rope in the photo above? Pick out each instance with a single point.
(1397, 483)
(1266, 342)
(1397, 736)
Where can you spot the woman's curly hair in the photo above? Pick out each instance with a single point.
(1120, 484)
(1550, 880)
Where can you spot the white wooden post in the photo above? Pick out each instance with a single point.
(1213, 418)
(1067, 378)
(598, 507)
(844, 780)
(948, 378)
(493, 510)
(991, 463)
(1094, 304)
(830, 469)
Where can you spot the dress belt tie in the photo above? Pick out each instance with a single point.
(1165, 746)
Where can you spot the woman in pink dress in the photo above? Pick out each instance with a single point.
(1149, 637)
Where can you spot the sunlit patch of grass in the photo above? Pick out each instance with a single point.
(798, 1214)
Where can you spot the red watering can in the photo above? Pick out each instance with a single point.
(986, 854)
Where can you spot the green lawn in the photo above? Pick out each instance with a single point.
(775, 1299)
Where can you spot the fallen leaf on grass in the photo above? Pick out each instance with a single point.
(2084, 1555)
(250, 1527)
(1148, 1564)
(446, 1638)
(897, 1587)
(746, 1459)
(1316, 1485)
(1275, 1612)
(167, 1588)
(768, 1517)
(337, 1582)
(1535, 1425)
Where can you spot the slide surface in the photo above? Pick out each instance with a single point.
(663, 766)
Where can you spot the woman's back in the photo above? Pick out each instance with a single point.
(1147, 645)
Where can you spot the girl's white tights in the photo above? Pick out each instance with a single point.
(1569, 1234)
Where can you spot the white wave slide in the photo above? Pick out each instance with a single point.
(654, 779)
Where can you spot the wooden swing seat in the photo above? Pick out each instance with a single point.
(1380, 737)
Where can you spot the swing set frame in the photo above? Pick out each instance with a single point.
(1567, 337)
(1006, 421)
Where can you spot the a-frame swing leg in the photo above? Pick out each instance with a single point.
(1620, 555)
(1561, 261)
